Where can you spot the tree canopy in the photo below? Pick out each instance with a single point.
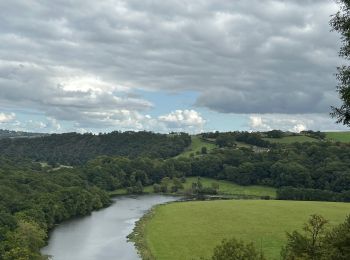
(340, 22)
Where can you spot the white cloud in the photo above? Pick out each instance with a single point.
(6, 118)
(293, 123)
(178, 120)
(182, 120)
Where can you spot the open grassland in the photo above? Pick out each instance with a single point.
(339, 136)
(225, 188)
(230, 188)
(292, 139)
(196, 146)
(190, 230)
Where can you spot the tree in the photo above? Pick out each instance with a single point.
(157, 188)
(340, 22)
(204, 150)
(338, 242)
(236, 250)
(25, 242)
(164, 184)
(177, 183)
(275, 134)
(308, 245)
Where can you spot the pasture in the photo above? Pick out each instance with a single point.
(190, 230)
(196, 146)
(339, 136)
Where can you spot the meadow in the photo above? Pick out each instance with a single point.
(190, 230)
(339, 136)
(292, 139)
(196, 146)
(230, 188)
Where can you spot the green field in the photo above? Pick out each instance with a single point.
(339, 136)
(225, 188)
(230, 188)
(292, 139)
(196, 146)
(189, 230)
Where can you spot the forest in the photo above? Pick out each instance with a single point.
(77, 149)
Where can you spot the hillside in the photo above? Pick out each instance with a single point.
(74, 148)
(196, 146)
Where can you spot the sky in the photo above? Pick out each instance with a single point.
(172, 65)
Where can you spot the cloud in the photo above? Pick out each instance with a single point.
(179, 120)
(5, 118)
(293, 123)
(84, 61)
(183, 120)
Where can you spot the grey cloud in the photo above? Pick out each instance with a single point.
(240, 56)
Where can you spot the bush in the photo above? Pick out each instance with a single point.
(236, 250)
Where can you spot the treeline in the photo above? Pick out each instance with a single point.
(77, 149)
(229, 139)
(33, 200)
(315, 171)
(290, 193)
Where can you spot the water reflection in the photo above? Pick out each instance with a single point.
(102, 235)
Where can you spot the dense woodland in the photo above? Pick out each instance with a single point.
(33, 200)
(34, 197)
(300, 171)
(76, 149)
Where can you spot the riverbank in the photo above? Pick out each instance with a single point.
(225, 188)
(190, 230)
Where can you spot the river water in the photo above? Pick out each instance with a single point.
(102, 235)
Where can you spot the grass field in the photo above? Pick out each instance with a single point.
(339, 136)
(230, 188)
(225, 188)
(196, 146)
(292, 139)
(189, 230)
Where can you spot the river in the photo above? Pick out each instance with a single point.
(102, 235)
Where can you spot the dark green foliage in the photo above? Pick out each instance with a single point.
(275, 134)
(33, 200)
(228, 139)
(319, 168)
(337, 242)
(156, 188)
(317, 242)
(308, 245)
(75, 149)
(236, 250)
(135, 189)
(290, 193)
(341, 23)
(314, 134)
